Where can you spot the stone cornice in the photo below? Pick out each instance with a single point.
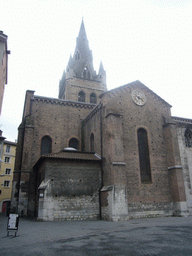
(182, 120)
(175, 167)
(86, 87)
(93, 112)
(63, 102)
(113, 114)
(118, 163)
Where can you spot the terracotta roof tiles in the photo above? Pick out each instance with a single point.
(76, 155)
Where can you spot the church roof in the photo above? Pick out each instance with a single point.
(71, 155)
(135, 83)
(63, 102)
(74, 155)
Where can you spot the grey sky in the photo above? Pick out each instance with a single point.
(141, 40)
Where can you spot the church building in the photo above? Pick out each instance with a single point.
(97, 154)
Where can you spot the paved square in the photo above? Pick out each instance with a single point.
(155, 236)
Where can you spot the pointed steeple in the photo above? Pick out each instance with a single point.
(62, 86)
(70, 62)
(82, 32)
(102, 73)
(82, 44)
(101, 68)
(80, 66)
(82, 58)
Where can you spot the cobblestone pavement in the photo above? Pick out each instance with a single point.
(154, 236)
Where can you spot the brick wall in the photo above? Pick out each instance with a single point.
(61, 120)
(73, 190)
(126, 114)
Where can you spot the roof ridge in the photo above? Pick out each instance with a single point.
(136, 82)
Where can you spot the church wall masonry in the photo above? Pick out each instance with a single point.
(46, 116)
(92, 125)
(76, 85)
(186, 155)
(120, 121)
(72, 190)
(128, 158)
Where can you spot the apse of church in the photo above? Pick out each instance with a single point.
(97, 154)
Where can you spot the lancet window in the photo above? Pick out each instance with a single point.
(188, 138)
(81, 96)
(93, 98)
(46, 145)
(92, 142)
(86, 73)
(74, 143)
(77, 55)
(145, 169)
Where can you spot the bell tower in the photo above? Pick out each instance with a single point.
(80, 82)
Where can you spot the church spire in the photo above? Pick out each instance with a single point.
(101, 68)
(80, 66)
(82, 32)
(82, 44)
(82, 58)
(102, 73)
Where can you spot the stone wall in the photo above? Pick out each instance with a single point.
(140, 210)
(186, 161)
(72, 190)
(69, 208)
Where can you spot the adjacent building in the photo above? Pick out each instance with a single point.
(98, 154)
(3, 65)
(6, 174)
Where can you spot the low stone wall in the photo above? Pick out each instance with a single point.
(114, 203)
(69, 208)
(141, 210)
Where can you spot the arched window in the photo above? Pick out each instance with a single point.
(93, 98)
(46, 145)
(77, 55)
(145, 169)
(81, 96)
(188, 138)
(74, 143)
(86, 73)
(92, 142)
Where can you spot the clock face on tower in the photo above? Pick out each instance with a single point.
(138, 97)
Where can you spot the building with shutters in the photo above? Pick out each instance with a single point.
(6, 174)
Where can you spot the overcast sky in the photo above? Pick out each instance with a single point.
(146, 40)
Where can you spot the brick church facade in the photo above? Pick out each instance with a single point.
(98, 154)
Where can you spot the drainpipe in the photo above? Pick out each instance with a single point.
(101, 142)
(21, 156)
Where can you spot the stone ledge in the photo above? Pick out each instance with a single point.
(175, 167)
(118, 163)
